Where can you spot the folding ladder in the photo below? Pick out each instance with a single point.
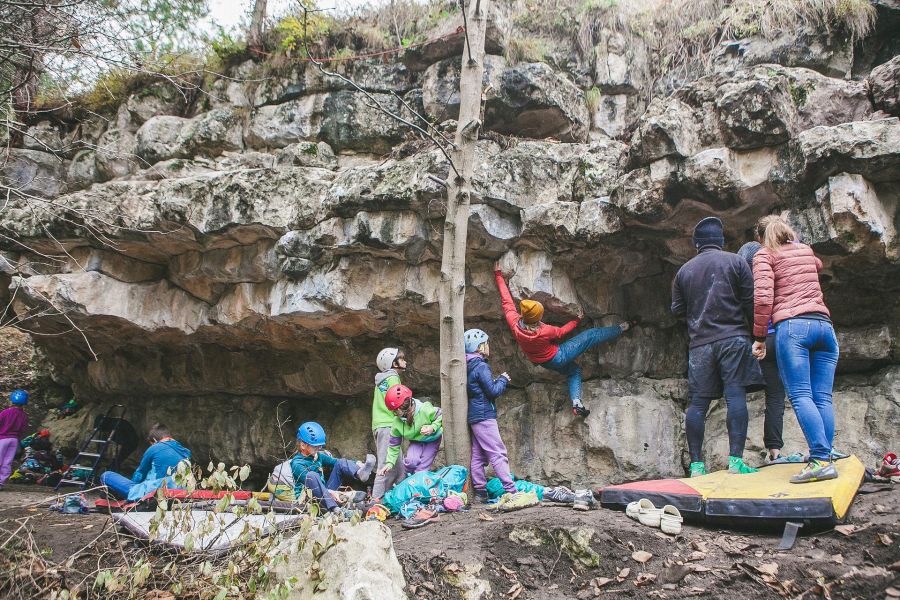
(89, 461)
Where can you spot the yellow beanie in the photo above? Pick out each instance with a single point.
(531, 311)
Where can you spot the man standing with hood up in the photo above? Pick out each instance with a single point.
(714, 292)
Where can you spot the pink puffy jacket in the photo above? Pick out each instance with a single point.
(785, 284)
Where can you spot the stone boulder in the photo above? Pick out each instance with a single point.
(668, 128)
(440, 85)
(621, 65)
(157, 139)
(351, 121)
(115, 154)
(207, 134)
(342, 561)
(884, 82)
(82, 170)
(44, 137)
(34, 173)
(532, 100)
(154, 100)
(277, 126)
(307, 154)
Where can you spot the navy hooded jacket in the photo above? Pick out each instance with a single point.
(482, 389)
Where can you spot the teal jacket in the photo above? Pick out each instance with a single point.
(425, 414)
(301, 466)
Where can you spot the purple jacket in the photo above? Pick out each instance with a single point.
(13, 422)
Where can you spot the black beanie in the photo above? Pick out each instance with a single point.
(709, 232)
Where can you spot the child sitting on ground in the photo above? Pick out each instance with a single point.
(390, 362)
(482, 389)
(307, 467)
(419, 422)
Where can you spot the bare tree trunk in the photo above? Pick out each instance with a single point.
(456, 222)
(254, 36)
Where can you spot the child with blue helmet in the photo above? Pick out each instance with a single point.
(13, 422)
(309, 463)
(483, 389)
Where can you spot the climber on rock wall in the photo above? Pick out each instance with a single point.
(787, 293)
(714, 292)
(390, 362)
(419, 422)
(538, 340)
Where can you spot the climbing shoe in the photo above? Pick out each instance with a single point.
(698, 469)
(509, 502)
(796, 457)
(366, 469)
(560, 494)
(815, 470)
(584, 500)
(736, 466)
(835, 455)
(579, 410)
(420, 518)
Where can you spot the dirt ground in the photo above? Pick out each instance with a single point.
(464, 553)
(701, 561)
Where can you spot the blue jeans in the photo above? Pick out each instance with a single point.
(807, 353)
(119, 485)
(343, 469)
(564, 361)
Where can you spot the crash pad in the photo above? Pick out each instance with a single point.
(766, 494)
(211, 531)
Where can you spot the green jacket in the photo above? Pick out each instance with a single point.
(425, 414)
(381, 416)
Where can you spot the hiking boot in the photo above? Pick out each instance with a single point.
(560, 494)
(420, 518)
(579, 410)
(584, 500)
(509, 502)
(366, 469)
(815, 470)
(736, 466)
(698, 469)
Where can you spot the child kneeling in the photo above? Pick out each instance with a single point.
(307, 467)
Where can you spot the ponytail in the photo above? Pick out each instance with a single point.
(773, 231)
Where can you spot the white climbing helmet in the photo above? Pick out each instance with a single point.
(386, 358)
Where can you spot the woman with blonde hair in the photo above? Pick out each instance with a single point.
(787, 291)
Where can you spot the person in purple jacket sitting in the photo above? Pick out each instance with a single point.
(483, 389)
(13, 422)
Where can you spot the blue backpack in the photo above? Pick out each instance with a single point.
(425, 486)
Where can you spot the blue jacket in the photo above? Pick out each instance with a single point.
(482, 389)
(159, 458)
(302, 465)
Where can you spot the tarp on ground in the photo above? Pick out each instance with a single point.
(767, 494)
(210, 531)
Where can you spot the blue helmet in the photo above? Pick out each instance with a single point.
(311, 433)
(19, 397)
(473, 339)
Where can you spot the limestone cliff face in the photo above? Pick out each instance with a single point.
(240, 267)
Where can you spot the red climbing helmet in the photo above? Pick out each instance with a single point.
(396, 396)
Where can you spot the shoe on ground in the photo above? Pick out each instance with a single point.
(736, 466)
(670, 520)
(835, 455)
(633, 510)
(584, 500)
(796, 457)
(890, 466)
(510, 502)
(420, 518)
(560, 494)
(379, 512)
(815, 470)
(366, 469)
(698, 469)
(480, 497)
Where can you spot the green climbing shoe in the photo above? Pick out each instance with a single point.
(698, 469)
(736, 466)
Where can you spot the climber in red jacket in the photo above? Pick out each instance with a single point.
(539, 341)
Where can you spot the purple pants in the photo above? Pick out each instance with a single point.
(487, 447)
(8, 447)
(420, 455)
